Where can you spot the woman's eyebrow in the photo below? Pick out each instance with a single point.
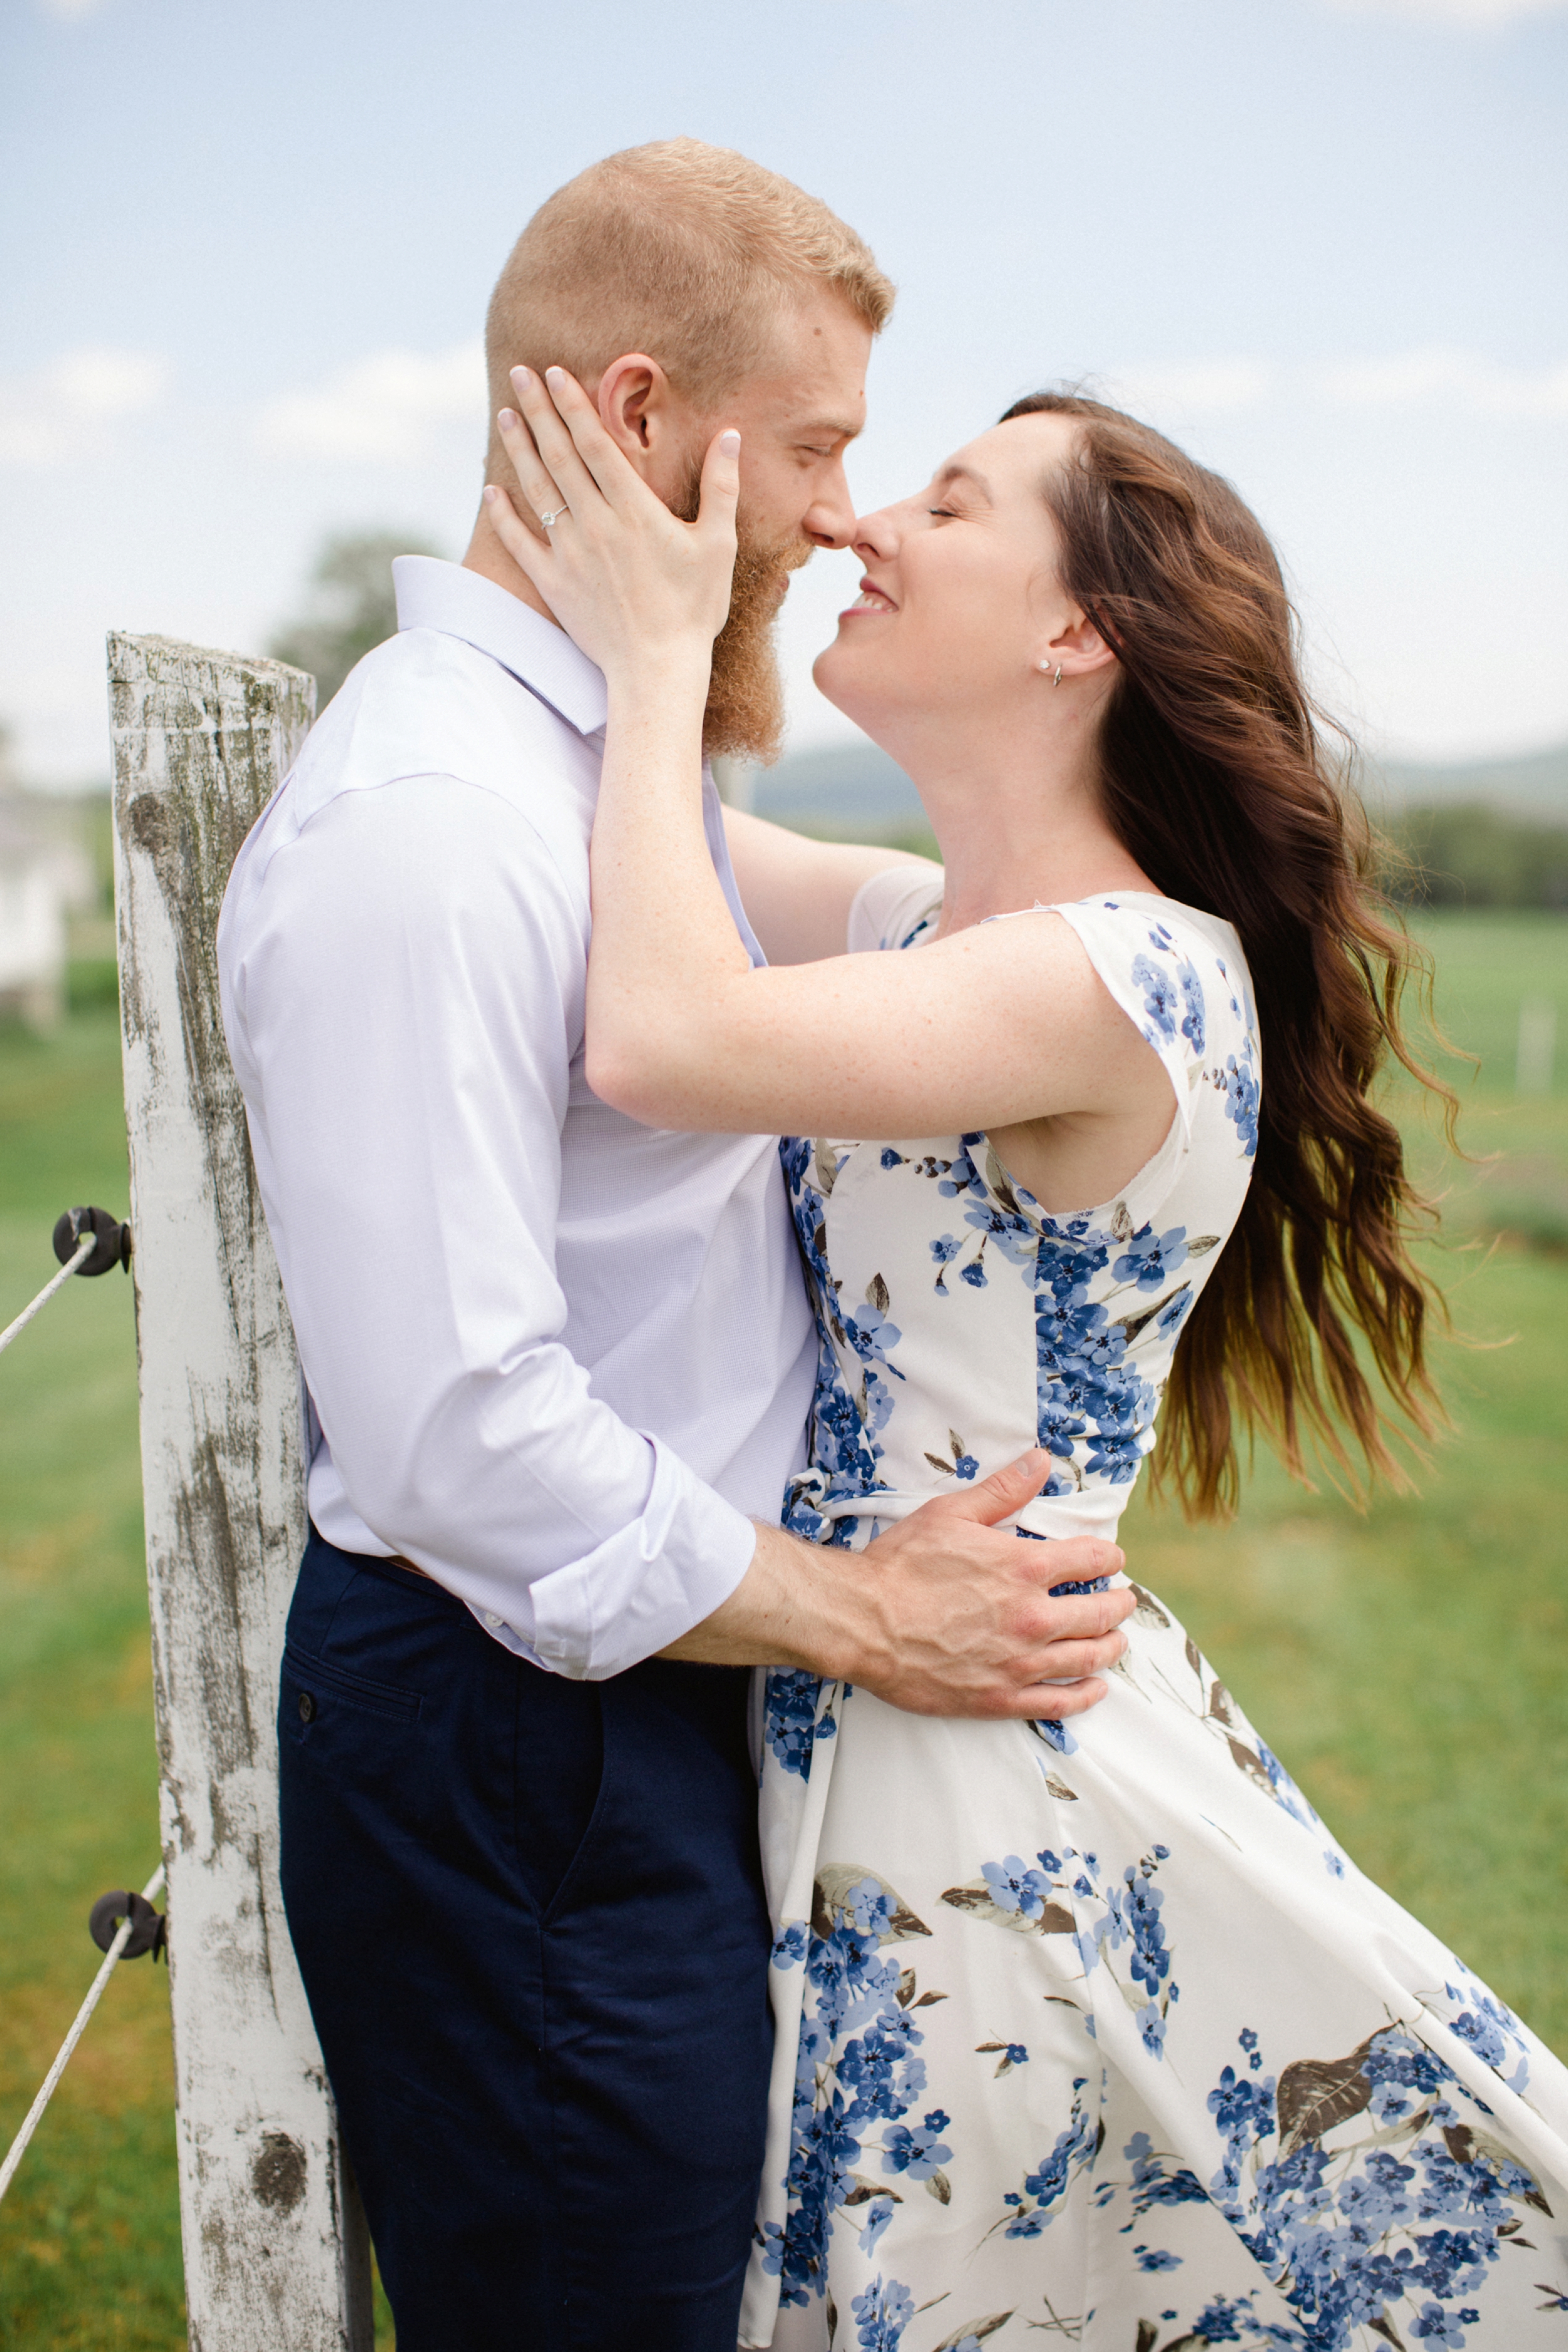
(957, 473)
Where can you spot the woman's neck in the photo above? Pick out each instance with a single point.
(1017, 824)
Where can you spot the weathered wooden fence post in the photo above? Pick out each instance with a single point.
(277, 2258)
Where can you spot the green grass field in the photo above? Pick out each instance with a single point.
(1408, 1665)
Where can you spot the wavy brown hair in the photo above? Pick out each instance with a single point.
(1214, 776)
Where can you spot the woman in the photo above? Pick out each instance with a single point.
(1092, 2032)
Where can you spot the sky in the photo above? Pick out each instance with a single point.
(246, 250)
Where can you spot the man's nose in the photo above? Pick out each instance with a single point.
(829, 521)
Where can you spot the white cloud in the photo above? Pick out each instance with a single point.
(1217, 387)
(1462, 379)
(390, 407)
(1465, 381)
(47, 417)
(1469, 16)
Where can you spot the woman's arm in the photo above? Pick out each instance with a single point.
(798, 892)
(999, 1025)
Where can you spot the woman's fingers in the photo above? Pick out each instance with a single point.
(578, 490)
(539, 486)
(721, 487)
(515, 535)
(615, 477)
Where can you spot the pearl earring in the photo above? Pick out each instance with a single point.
(1057, 679)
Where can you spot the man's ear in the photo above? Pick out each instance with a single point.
(634, 402)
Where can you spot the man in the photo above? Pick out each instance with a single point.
(559, 1365)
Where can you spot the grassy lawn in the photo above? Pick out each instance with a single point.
(1407, 1664)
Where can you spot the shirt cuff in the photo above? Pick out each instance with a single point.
(646, 1584)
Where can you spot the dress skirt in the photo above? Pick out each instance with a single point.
(1091, 2035)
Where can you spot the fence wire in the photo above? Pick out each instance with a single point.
(84, 1250)
(18, 2147)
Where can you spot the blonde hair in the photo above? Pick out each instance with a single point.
(684, 251)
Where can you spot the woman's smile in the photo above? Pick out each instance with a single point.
(871, 599)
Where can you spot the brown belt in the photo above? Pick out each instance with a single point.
(397, 1560)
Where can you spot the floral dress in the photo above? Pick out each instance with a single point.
(1091, 2033)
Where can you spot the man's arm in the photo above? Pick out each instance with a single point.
(796, 892)
(945, 1614)
(403, 993)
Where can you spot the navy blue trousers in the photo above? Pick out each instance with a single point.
(529, 1919)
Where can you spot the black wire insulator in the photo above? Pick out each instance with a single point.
(149, 1928)
(112, 1246)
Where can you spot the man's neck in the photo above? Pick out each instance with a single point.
(488, 558)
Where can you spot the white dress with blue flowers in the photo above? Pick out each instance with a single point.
(1092, 2035)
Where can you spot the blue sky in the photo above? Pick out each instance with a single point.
(247, 249)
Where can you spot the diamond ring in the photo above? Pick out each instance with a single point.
(552, 516)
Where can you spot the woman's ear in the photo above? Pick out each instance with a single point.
(1077, 650)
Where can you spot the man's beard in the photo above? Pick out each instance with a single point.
(745, 715)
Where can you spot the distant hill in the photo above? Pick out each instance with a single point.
(849, 788)
(1535, 785)
(855, 789)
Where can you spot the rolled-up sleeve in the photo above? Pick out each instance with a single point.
(404, 992)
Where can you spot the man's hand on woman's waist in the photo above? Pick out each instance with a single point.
(945, 1614)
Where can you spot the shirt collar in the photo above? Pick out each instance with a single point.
(432, 594)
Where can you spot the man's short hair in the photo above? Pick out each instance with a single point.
(684, 251)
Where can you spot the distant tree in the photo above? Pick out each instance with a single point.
(1468, 854)
(352, 606)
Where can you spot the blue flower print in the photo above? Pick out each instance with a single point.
(973, 1274)
(944, 1249)
(1433, 2325)
(1344, 2233)
(920, 2151)
(1151, 1258)
(1241, 1100)
(1160, 999)
(1015, 1886)
(889, 1158)
(1044, 2187)
(1141, 1906)
(789, 1945)
(1219, 2322)
(879, 2217)
(1493, 2031)
(789, 1717)
(881, 2316)
(1011, 1231)
(871, 1335)
(1150, 2258)
(1192, 1006)
(1152, 2184)
(1055, 1733)
(1173, 1314)
(960, 1178)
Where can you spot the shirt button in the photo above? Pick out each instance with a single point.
(307, 1708)
(491, 1620)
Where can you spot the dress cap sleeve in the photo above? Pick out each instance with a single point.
(1155, 964)
(892, 903)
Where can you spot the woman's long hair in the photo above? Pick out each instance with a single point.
(1213, 776)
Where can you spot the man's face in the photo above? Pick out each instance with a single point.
(795, 417)
(796, 420)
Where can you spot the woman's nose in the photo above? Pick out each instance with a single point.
(876, 535)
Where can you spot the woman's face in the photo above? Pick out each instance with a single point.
(961, 599)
